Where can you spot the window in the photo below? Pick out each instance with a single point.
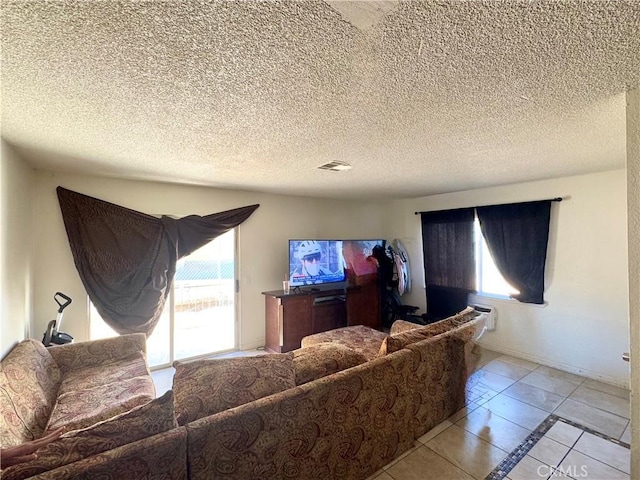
(199, 317)
(489, 281)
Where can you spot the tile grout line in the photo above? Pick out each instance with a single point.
(568, 397)
(531, 404)
(459, 467)
(597, 408)
(512, 421)
(555, 469)
(501, 471)
(589, 456)
(595, 433)
(440, 456)
(517, 454)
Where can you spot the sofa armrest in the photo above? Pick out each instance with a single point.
(98, 352)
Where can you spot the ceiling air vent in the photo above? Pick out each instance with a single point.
(335, 166)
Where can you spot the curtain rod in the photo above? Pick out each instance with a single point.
(556, 199)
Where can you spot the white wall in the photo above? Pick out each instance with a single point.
(15, 256)
(584, 326)
(263, 247)
(633, 199)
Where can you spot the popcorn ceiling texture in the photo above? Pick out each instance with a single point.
(434, 96)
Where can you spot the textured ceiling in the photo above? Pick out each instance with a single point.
(420, 97)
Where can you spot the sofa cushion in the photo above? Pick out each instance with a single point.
(362, 339)
(154, 417)
(83, 408)
(398, 341)
(134, 365)
(205, 387)
(29, 380)
(317, 361)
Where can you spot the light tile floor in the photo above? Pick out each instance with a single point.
(507, 398)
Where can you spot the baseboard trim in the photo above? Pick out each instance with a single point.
(554, 364)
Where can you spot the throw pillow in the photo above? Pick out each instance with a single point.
(29, 380)
(205, 387)
(322, 359)
(140, 422)
(396, 342)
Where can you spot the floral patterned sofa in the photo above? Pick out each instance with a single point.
(103, 394)
(374, 343)
(326, 410)
(323, 411)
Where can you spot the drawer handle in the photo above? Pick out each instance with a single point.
(625, 356)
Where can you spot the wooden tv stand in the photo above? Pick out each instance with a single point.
(291, 317)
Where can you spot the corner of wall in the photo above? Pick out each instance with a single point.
(16, 180)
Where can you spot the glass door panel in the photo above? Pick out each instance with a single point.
(204, 300)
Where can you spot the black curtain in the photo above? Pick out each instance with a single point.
(127, 259)
(449, 263)
(517, 236)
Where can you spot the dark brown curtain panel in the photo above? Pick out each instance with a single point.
(449, 260)
(517, 235)
(447, 241)
(127, 259)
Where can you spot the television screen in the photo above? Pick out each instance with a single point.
(357, 253)
(314, 262)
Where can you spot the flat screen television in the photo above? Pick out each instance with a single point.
(313, 262)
